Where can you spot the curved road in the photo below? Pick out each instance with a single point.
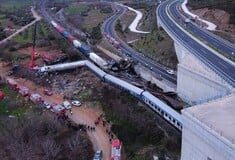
(213, 40)
(223, 68)
(138, 57)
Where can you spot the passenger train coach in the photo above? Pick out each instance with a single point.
(154, 103)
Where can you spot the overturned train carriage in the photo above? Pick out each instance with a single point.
(154, 103)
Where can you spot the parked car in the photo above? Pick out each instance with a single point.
(76, 103)
(98, 155)
(47, 92)
(47, 105)
(57, 108)
(67, 105)
(35, 98)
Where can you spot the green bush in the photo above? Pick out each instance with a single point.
(96, 33)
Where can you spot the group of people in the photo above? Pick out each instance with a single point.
(111, 136)
(98, 120)
(63, 117)
(90, 128)
(101, 120)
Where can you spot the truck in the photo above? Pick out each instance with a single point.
(116, 150)
(14, 69)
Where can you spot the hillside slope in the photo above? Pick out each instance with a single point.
(226, 5)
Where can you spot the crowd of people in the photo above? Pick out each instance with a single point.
(102, 121)
(64, 119)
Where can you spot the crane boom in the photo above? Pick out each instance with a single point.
(32, 64)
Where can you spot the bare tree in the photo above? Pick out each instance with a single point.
(50, 149)
(41, 137)
(74, 143)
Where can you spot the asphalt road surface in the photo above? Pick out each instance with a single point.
(213, 40)
(138, 57)
(223, 68)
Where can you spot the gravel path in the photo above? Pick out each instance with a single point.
(35, 15)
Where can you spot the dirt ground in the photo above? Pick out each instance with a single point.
(35, 14)
(217, 16)
(220, 18)
(99, 138)
(126, 20)
(83, 114)
(53, 51)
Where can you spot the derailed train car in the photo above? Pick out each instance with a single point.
(154, 103)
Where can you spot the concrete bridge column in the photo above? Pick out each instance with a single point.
(181, 52)
(196, 84)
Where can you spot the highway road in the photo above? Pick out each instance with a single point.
(108, 28)
(223, 68)
(125, 49)
(213, 40)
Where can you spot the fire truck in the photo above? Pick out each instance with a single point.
(116, 150)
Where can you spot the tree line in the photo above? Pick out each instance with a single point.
(42, 137)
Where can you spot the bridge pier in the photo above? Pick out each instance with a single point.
(196, 83)
(181, 52)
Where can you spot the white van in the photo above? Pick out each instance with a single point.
(67, 105)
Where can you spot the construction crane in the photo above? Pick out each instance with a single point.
(32, 64)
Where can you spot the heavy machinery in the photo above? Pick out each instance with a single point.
(32, 64)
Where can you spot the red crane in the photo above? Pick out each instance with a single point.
(32, 64)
